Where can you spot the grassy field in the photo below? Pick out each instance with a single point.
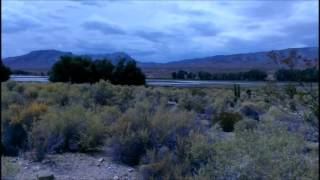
(270, 132)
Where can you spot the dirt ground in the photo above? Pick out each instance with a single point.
(74, 166)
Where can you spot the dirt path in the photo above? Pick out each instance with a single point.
(74, 166)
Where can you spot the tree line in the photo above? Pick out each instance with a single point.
(306, 75)
(252, 75)
(78, 69)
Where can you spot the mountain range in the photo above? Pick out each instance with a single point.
(42, 60)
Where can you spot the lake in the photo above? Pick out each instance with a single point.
(161, 82)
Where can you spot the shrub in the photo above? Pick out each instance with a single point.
(290, 90)
(158, 165)
(73, 129)
(130, 136)
(13, 138)
(246, 125)
(167, 127)
(4, 72)
(251, 110)
(228, 120)
(103, 94)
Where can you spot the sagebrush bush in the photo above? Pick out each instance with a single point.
(130, 136)
(73, 129)
(228, 120)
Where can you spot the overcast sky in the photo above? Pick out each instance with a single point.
(158, 31)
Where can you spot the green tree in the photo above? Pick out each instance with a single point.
(133, 74)
(79, 69)
(182, 74)
(127, 73)
(72, 69)
(5, 72)
(204, 75)
(103, 69)
(174, 75)
(255, 75)
(191, 75)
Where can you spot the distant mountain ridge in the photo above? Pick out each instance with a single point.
(42, 60)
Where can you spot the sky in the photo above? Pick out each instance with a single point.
(158, 31)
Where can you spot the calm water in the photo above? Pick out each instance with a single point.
(159, 82)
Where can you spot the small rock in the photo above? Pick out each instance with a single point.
(100, 160)
(172, 103)
(115, 177)
(36, 168)
(130, 169)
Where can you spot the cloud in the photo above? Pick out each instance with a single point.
(103, 27)
(158, 30)
(18, 24)
(204, 28)
(154, 36)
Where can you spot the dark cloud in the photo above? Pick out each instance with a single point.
(103, 27)
(204, 28)
(154, 36)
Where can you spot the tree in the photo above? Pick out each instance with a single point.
(182, 74)
(191, 75)
(118, 73)
(255, 75)
(5, 72)
(127, 73)
(103, 69)
(79, 69)
(204, 75)
(74, 69)
(174, 75)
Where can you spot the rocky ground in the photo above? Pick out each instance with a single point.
(74, 166)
